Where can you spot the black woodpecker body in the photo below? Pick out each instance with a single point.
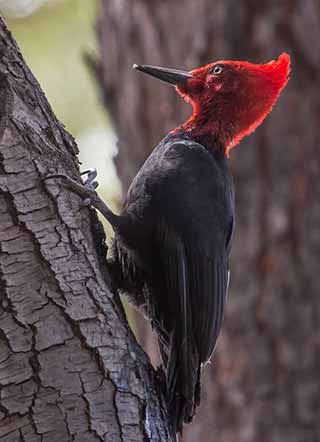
(172, 257)
(173, 236)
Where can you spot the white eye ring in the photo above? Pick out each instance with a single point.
(216, 70)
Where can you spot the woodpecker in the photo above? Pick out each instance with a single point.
(170, 252)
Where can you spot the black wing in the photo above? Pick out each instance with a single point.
(192, 209)
(189, 303)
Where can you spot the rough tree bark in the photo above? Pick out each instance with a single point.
(264, 381)
(70, 369)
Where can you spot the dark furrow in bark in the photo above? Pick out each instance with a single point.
(70, 368)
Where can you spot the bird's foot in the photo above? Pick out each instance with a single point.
(87, 191)
(90, 184)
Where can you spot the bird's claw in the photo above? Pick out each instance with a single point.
(90, 182)
(86, 191)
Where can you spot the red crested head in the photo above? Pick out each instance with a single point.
(229, 98)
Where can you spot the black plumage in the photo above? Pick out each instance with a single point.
(173, 236)
(170, 255)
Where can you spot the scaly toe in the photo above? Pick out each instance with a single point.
(90, 182)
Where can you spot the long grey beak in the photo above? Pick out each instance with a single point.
(172, 76)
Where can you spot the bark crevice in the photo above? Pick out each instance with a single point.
(70, 368)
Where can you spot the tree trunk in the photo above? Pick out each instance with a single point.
(70, 369)
(263, 384)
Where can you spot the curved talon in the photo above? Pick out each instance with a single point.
(90, 182)
(91, 172)
(91, 185)
(80, 189)
(88, 194)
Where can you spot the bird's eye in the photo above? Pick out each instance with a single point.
(217, 69)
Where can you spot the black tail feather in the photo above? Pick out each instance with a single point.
(183, 384)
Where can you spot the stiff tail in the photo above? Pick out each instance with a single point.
(183, 382)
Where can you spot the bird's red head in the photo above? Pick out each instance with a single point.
(229, 98)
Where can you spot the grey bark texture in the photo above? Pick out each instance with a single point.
(264, 382)
(70, 368)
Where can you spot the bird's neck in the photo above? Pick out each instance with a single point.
(205, 128)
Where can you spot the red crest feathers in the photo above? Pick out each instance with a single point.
(232, 104)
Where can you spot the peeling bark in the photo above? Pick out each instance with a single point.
(70, 368)
(263, 384)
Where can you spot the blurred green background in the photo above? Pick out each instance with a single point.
(53, 36)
